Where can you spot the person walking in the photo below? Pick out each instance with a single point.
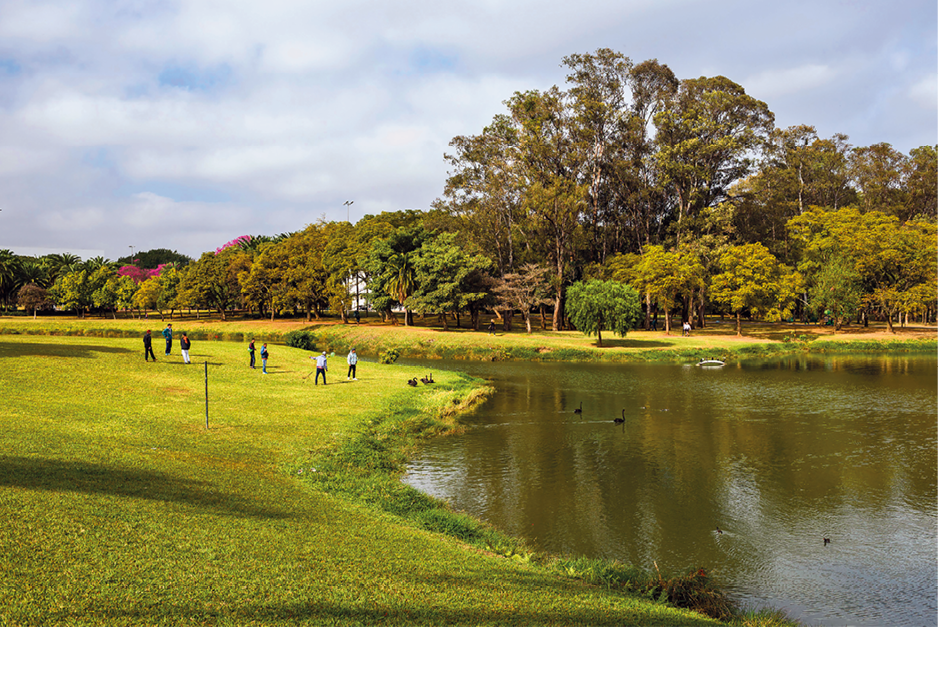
(321, 368)
(352, 360)
(492, 326)
(168, 334)
(264, 355)
(148, 347)
(184, 344)
(251, 350)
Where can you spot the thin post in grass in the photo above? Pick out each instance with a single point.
(206, 395)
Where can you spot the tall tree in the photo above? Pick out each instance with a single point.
(709, 137)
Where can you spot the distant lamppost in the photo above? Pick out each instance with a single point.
(348, 206)
(131, 254)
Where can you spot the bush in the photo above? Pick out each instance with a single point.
(389, 356)
(301, 339)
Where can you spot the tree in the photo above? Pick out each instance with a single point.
(599, 305)
(391, 269)
(921, 174)
(147, 296)
(837, 291)
(664, 275)
(708, 137)
(154, 258)
(877, 172)
(524, 290)
(753, 278)
(894, 261)
(72, 291)
(441, 273)
(33, 298)
(212, 281)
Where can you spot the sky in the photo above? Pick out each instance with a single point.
(183, 124)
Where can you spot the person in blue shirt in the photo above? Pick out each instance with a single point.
(264, 355)
(168, 334)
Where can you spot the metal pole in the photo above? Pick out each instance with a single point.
(206, 395)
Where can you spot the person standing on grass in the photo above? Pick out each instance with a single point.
(264, 355)
(251, 350)
(352, 360)
(321, 368)
(184, 344)
(168, 334)
(148, 347)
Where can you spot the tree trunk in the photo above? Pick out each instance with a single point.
(739, 329)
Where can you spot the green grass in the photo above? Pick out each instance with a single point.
(120, 508)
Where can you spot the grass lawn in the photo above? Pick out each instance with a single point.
(120, 508)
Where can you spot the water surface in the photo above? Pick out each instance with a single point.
(778, 454)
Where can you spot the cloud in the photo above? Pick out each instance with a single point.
(925, 91)
(187, 123)
(781, 82)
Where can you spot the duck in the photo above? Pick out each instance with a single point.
(827, 541)
(430, 379)
(619, 420)
(412, 382)
(719, 531)
(425, 380)
(579, 410)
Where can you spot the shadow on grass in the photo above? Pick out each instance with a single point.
(632, 344)
(68, 476)
(323, 612)
(12, 350)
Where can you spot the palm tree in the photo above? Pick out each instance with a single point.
(401, 281)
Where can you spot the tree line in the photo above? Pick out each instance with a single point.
(681, 189)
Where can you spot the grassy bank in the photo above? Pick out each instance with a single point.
(428, 340)
(121, 508)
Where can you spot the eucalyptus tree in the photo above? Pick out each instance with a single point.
(709, 137)
(877, 173)
(484, 192)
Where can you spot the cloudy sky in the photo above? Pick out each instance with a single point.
(182, 124)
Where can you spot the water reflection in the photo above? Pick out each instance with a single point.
(778, 454)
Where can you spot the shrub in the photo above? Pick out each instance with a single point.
(389, 356)
(301, 339)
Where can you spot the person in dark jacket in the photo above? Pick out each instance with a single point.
(148, 347)
(251, 351)
(184, 344)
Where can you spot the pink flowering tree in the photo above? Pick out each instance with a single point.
(235, 243)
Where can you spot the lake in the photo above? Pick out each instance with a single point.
(778, 454)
